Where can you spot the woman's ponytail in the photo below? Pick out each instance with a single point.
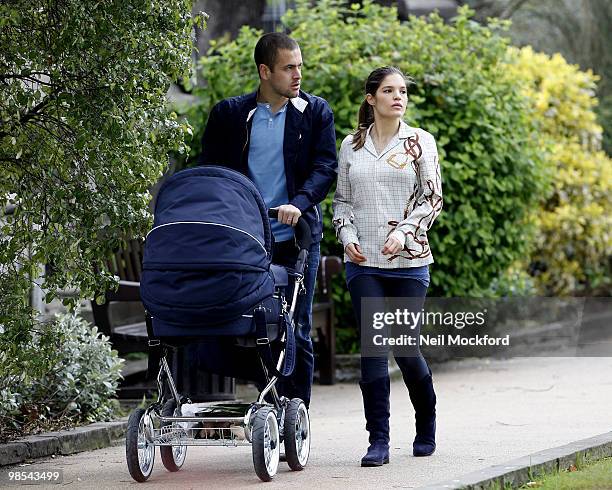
(366, 117)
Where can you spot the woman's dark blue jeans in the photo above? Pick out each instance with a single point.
(413, 367)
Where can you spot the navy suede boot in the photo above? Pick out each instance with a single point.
(423, 400)
(376, 408)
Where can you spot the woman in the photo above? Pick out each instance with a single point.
(387, 197)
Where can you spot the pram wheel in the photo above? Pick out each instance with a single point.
(139, 452)
(266, 443)
(172, 457)
(297, 434)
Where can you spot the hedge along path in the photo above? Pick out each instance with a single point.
(492, 169)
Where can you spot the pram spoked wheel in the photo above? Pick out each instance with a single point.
(297, 434)
(139, 451)
(266, 443)
(172, 457)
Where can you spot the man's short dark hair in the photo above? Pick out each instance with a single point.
(266, 49)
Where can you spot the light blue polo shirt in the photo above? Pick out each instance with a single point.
(267, 163)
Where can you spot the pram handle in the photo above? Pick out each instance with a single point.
(303, 235)
(303, 238)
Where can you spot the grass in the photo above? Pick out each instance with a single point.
(597, 475)
(135, 356)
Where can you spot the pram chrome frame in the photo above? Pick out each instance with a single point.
(262, 424)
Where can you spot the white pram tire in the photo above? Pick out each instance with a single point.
(266, 443)
(172, 457)
(139, 452)
(297, 434)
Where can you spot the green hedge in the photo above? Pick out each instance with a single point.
(463, 95)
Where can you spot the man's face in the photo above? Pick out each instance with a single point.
(287, 75)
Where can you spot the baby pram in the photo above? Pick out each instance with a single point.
(208, 279)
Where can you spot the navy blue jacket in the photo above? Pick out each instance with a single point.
(309, 148)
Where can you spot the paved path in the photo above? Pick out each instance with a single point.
(489, 412)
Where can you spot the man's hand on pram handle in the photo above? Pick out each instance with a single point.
(288, 214)
(303, 238)
(302, 233)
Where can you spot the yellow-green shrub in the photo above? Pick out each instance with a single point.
(573, 240)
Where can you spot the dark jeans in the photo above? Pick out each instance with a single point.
(299, 384)
(413, 367)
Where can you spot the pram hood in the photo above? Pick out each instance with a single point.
(207, 257)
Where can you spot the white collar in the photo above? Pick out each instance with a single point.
(299, 103)
(404, 132)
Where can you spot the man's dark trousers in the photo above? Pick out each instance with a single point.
(299, 384)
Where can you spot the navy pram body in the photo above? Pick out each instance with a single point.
(208, 272)
(207, 258)
(208, 281)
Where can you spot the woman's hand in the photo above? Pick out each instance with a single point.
(391, 247)
(354, 253)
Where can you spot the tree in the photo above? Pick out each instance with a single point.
(578, 29)
(226, 19)
(85, 133)
(501, 9)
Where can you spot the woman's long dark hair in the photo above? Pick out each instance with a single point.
(366, 112)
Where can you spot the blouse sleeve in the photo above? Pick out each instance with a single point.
(346, 232)
(427, 204)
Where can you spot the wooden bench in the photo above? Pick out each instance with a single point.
(127, 265)
(132, 336)
(324, 320)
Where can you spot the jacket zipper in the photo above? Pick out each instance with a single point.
(246, 142)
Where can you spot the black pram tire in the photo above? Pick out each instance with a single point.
(266, 443)
(297, 434)
(173, 457)
(140, 465)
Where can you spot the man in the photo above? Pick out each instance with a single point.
(284, 140)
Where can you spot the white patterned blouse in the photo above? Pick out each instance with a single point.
(397, 192)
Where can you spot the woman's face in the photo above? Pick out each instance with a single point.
(391, 97)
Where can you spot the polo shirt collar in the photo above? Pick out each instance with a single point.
(283, 108)
(298, 102)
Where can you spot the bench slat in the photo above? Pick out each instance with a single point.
(134, 330)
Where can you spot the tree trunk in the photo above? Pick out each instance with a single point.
(226, 18)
